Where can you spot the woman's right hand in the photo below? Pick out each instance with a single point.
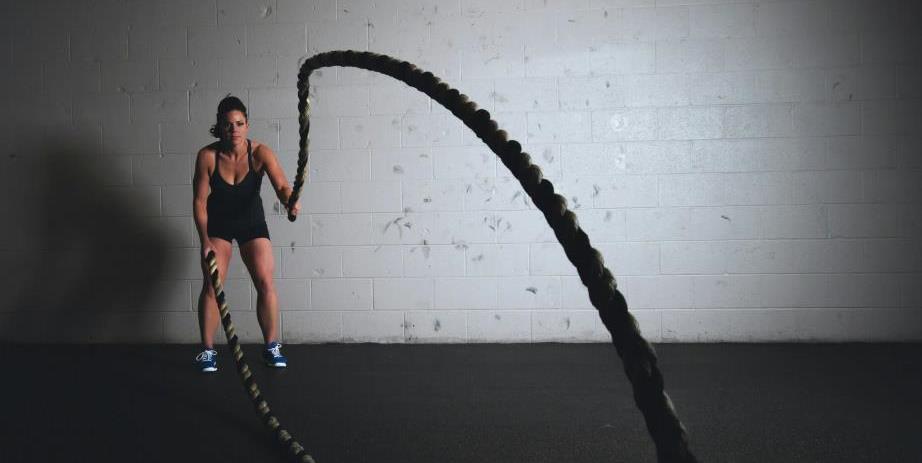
(206, 248)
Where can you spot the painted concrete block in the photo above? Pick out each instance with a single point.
(403, 293)
(402, 163)
(341, 229)
(216, 42)
(687, 123)
(348, 294)
(656, 90)
(568, 326)
(499, 326)
(466, 293)
(657, 292)
(529, 293)
(302, 327)
(370, 132)
(436, 327)
(311, 262)
(433, 261)
(384, 327)
(497, 260)
(371, 197)
(372, 261)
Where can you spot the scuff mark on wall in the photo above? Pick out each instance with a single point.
(265, 11)
(395, 222)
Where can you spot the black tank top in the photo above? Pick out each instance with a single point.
(239, 204)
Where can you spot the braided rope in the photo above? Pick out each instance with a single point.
(246, 375)
(637, 354)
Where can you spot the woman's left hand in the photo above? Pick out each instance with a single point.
(295, 209)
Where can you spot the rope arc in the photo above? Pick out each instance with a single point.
(637, 355)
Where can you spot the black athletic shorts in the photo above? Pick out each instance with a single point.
(242, 233)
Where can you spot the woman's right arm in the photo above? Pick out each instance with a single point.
(200, 190)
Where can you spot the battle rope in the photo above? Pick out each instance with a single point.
(636, 353)
(243, 370)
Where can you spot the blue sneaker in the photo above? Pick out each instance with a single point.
(207, 361)
(273, 355)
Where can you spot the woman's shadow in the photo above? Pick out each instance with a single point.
(80, 251)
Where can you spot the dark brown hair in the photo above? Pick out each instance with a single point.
(227, 104)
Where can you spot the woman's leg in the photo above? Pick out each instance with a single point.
(208, 316)
(258, 257)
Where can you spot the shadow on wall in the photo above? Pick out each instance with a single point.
(79, 256)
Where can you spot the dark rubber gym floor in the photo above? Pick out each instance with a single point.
(461, 403)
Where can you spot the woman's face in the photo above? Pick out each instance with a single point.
(234, 127)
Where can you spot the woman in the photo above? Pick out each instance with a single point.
(227, 206)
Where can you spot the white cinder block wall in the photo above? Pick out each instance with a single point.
(751, 170)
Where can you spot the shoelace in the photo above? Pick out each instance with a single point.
(206, 355)
(275, 350)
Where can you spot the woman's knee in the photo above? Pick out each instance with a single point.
(207, 291)
(264, 285)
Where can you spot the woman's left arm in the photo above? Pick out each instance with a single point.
(273, 170)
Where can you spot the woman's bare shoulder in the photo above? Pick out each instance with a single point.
(207, 154)
(261, 150)
(259, 146)
(211, 147)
